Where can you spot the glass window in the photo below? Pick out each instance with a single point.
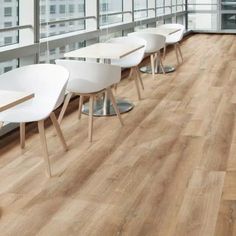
(140, 9)
(7, 24)
(110, 11)
(71, 8)
(61, 11)
(202, 21)
(8, 40)
(53, 9)
(8, 65)
(228, 5)
(8, 18)
(7, 11)
(229, 21)
(160, 7)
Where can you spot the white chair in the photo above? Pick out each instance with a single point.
(132, 60)
(48, 83)
(154, 43)
(174, 39)
(90, 79)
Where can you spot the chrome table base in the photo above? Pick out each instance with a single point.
(148, 69)
(106, 109)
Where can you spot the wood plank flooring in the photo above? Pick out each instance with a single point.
(169, 171)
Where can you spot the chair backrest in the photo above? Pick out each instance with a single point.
(178, 35)
(134, 58)
(104, 75)
(48, 83)
(155, 42)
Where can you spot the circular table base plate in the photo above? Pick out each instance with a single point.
(123, 105)
(148, 69)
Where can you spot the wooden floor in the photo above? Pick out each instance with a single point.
(170, 171)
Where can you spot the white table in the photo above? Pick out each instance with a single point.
(9, 99)
(163, 31)
(106, 52)
(160, 30)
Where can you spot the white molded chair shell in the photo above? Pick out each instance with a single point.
(48, 83)
(175, 37)
(154, 42)
(134, 58)
(88, 77)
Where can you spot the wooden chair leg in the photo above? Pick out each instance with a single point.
(90, 131)
(58, 130)
(164, 52)
(161, 63)
(65, 105)
(44, 147)
(81, 99)
(180, 52)
(115, 87)
(130, 73)
(137, 87)
(139, 77)
(152, 65)
(176, 52)
(22, 135)
(1, 124)
(113, 100)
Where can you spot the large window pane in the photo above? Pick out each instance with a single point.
(202, 21)
(140, 9)
(8, 18)
(59, 10)
(110, 11)
(8, 65)
(160, 7)
(228, 4)
(229, 21)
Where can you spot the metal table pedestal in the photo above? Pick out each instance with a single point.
(148, 69)
(103, 107)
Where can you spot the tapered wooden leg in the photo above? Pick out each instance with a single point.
(90, 131)
(152, 65)
(58, 130)
(156, 61)
(65, 105)
(81, 99)
(176, 52)
(113, 100)
(137, 86)
(139, 76)
(44, 147)
(115, 86)
(22, 135)
(161, 63)
(180, 52)
(164, 52)
(130, 73)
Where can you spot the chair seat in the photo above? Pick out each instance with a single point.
(124, 63)
(171, 40)
(29, 111)
(83, 86)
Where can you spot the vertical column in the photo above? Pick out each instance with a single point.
(128, 6)
(151, 4)
(186, 16)
(92, 9)
(26, 17)
(27, 36)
